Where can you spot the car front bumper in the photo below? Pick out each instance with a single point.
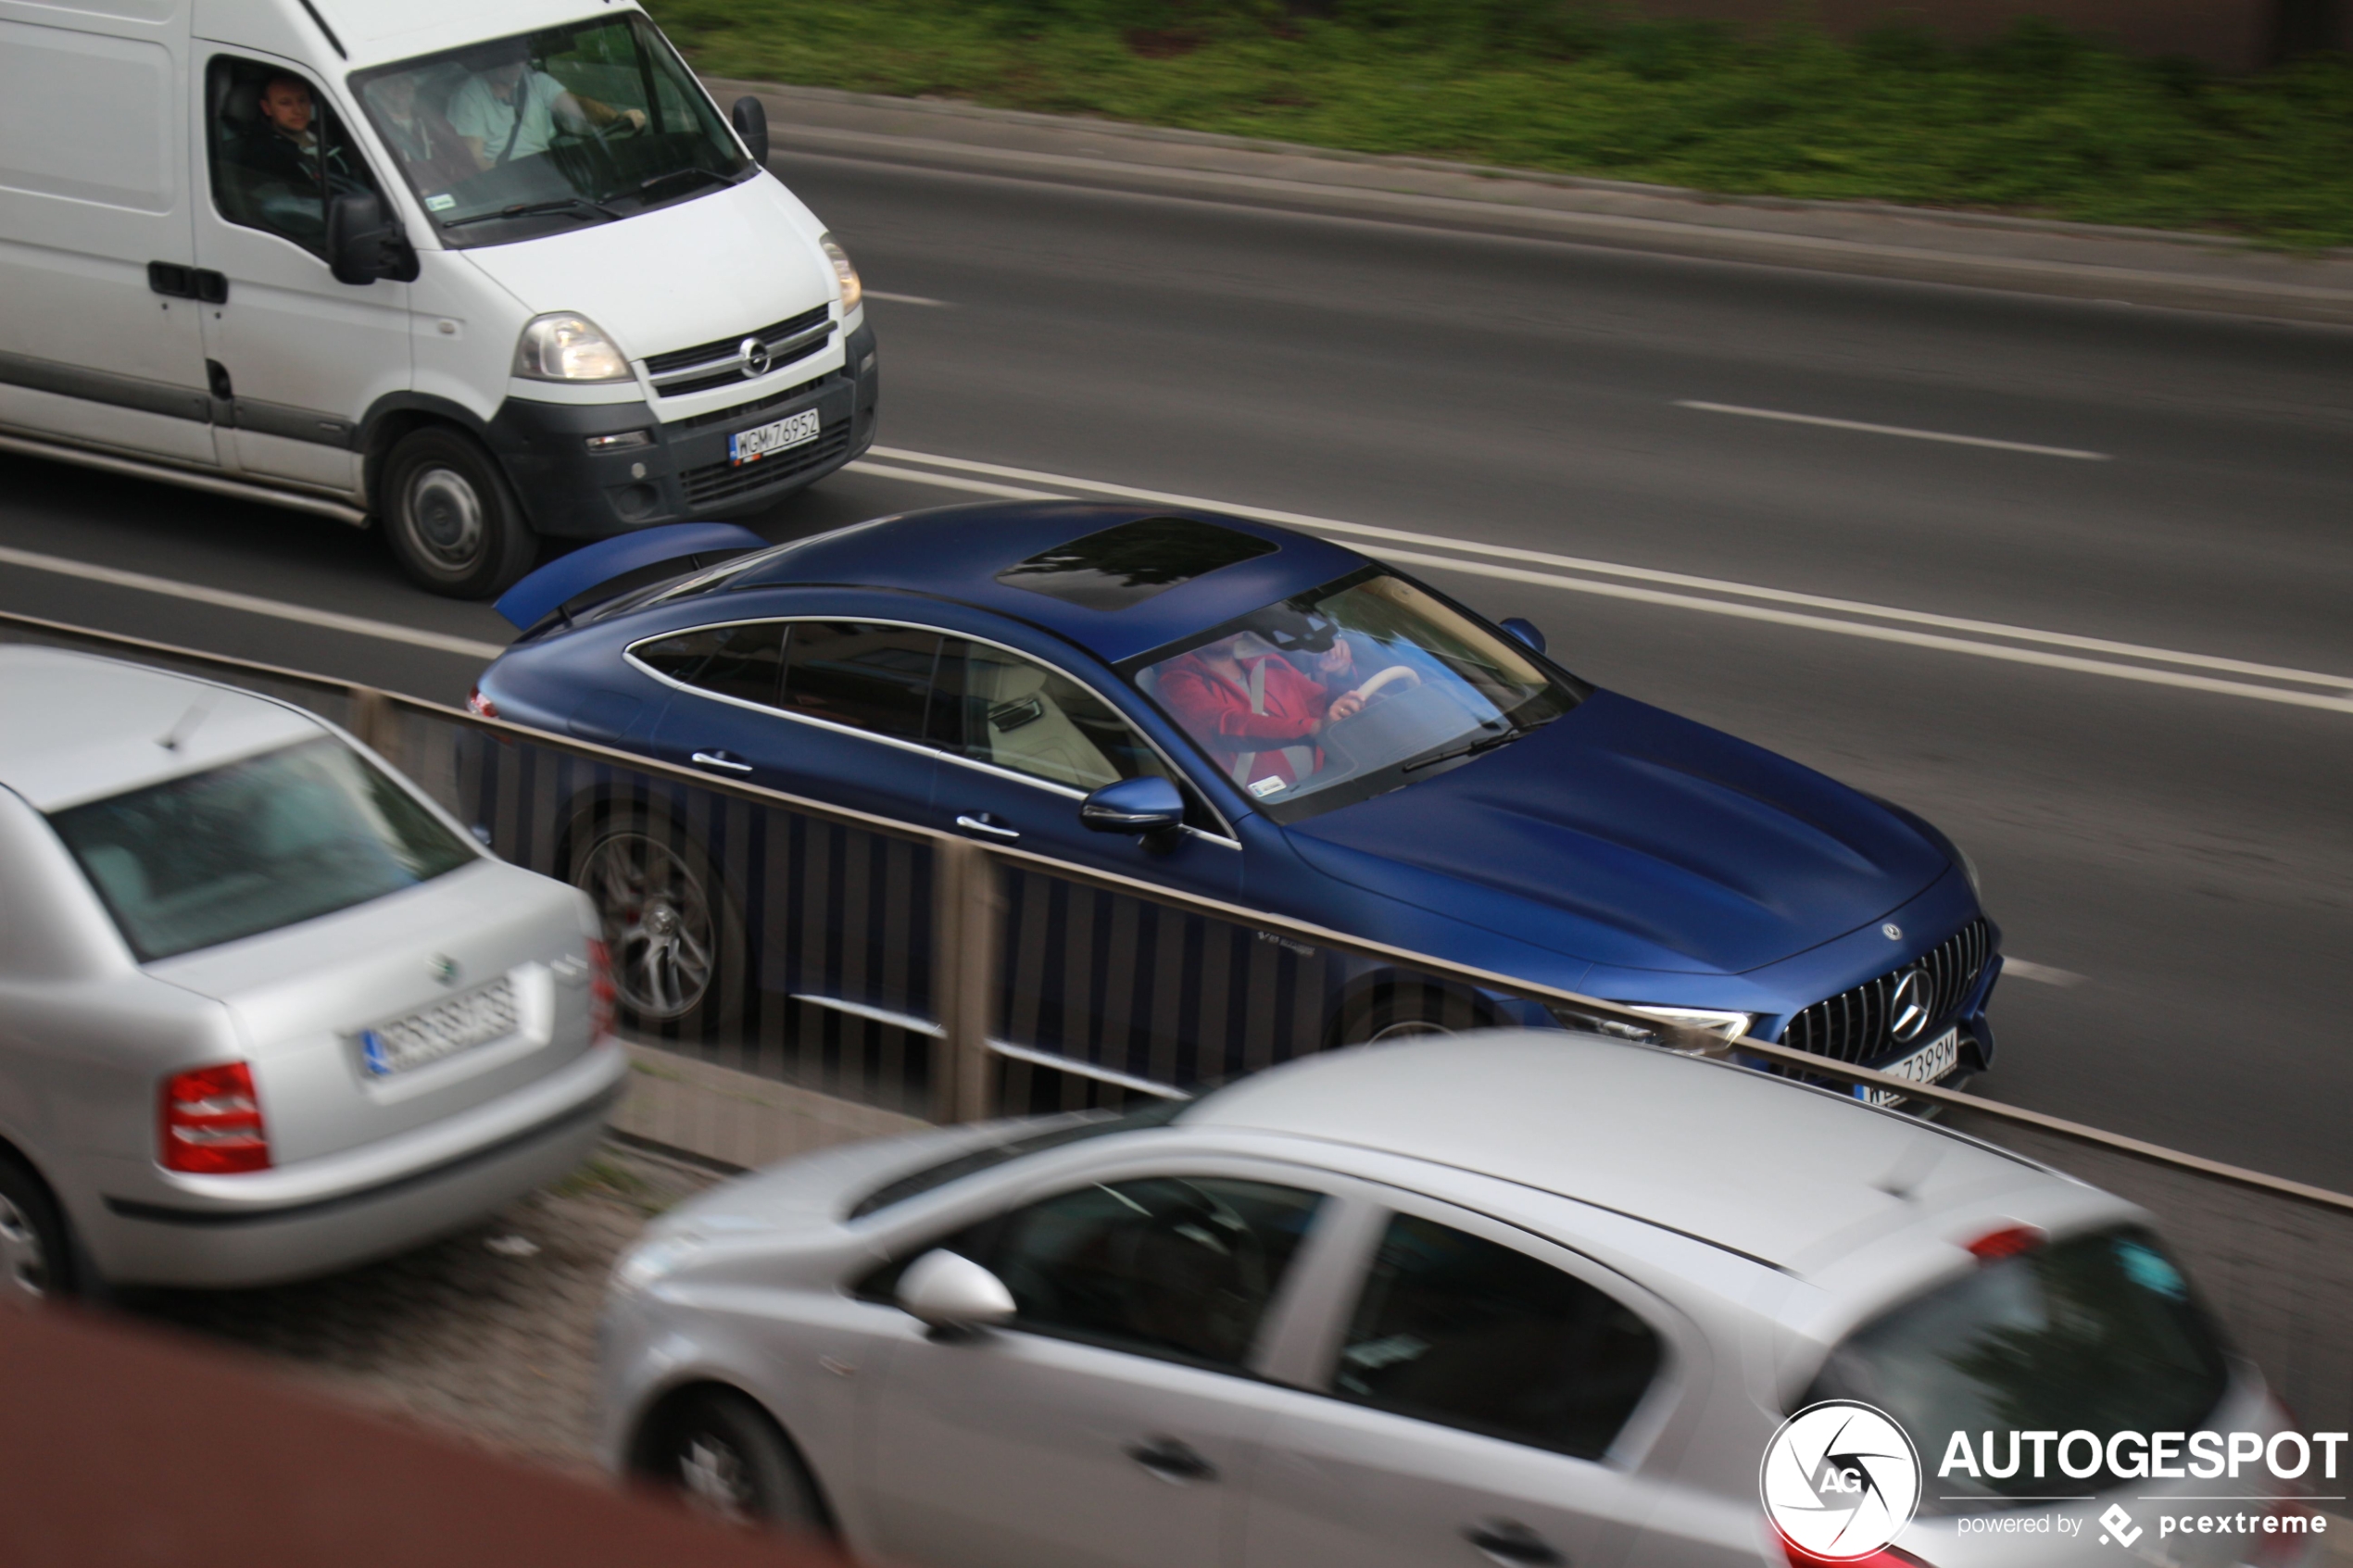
(320, 1215)
(682, 472)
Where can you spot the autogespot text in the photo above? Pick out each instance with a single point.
(2155, 1456)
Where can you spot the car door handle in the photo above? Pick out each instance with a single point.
(1512, 1544)
(720, 759)
(1173, 1461)
(987, 824)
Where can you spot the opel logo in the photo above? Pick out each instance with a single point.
(443, 968)
(754, 354)
(1915, 996)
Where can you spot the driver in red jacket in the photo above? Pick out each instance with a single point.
(1252, 711)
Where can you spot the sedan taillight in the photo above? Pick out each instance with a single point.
(213, 1122)
(480, 706)
(602, 994)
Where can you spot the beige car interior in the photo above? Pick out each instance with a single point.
(1028, 729)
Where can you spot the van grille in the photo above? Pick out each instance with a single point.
(744, 412)
(720, 363)
(722, 482)
(1854, 1026)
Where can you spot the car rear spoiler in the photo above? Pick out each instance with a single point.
(566, 578)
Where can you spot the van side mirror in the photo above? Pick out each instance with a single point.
(751, 118)
(364, 244)
(952, 1296)
(1525, 631)
(1146, 805)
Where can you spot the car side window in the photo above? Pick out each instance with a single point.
(278, 150)
(745, 661)
(1461, 1331)
(1179, 1267)
(995, 705)
(870, 677)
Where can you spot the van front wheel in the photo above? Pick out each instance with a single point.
(452, 521)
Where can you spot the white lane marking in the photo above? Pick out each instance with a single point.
(2041, 973)
(1905, 431)
(1646, 574)
(385, 631)
(906, 298)
(978, 487)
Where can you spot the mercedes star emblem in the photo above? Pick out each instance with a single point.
(1891, 931)
(1909, 1009)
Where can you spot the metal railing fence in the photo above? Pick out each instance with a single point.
(927, 974)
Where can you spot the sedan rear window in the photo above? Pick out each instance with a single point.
(255, 846)
(2097, 1332)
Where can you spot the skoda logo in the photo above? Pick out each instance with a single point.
(754, 354)
(1840, 1480)
(443, 968)
(1908, 1012)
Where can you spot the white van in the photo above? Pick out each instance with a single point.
(484, 269)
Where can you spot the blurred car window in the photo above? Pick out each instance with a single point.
(744, 661)
(1091, 1124)
(255, 846)
(870, 677)
(2101, 1330)
(1464, 1332)
(996, 707)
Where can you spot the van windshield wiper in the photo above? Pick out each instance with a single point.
(689, 172)
(1488, 743)
(527, 210)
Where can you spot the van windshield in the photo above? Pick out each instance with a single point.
(549, 131)
(255, 846)
(2097, 1333)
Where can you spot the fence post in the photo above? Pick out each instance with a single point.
(373, 721)
(968, 916)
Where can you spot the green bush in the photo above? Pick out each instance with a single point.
(2039, 121)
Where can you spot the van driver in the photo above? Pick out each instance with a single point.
(510, 109)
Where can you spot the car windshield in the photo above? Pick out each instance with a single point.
(550, 131)
(255, 846)
(1353, 689)
(2097, 1332)
(987, 1157)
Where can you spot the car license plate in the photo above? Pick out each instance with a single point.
(1925, 1065)
(793, 430)
(442, 1030)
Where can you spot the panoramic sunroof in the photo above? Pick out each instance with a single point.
(1128, 564)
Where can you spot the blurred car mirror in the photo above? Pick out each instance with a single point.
(1140, 806)
(750, 118)
(952, 1294)
(1525, 630)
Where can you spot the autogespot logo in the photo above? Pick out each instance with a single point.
(1840, 1480)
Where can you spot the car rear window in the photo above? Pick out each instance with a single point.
(255, 846)
(2097, 1332)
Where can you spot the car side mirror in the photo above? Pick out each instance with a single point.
(1145, 806)
(751, 118)
(1525, 631)
(952, 1296)
(364, 244)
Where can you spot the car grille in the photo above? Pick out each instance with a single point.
(720, 363)
(743, 411)
(723, 482)
(1853, 1026)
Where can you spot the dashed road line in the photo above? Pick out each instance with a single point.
(1907, 432)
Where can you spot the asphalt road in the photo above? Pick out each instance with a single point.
(2162, 826)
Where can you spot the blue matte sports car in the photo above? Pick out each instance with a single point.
(1266, 718)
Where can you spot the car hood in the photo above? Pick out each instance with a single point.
(692, 272)
(1626, 836)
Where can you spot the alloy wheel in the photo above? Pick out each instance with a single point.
(716, 1479)
(24, 1267)
(658, 923)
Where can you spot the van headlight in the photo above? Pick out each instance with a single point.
(569, 348)
(853, 293)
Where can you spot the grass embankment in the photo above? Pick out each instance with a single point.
(2040, 122)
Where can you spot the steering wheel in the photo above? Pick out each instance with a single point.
(1373, 689)
(621, 125)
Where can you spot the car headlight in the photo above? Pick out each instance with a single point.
(1715, 1020)
(649, 1261)
(852, 291)
(570, 348)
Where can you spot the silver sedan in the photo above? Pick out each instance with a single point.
(265, 1010)
(1516, 1298)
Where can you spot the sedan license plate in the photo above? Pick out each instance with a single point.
(793, 430)
(442, 1030)
(1925, 1065)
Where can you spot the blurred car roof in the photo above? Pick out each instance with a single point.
(958, 552)
(1740, 1158)
(75, 727)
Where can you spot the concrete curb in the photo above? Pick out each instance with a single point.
(2069, 260)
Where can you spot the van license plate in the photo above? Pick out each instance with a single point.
(793, 430)
(444, 1029)
(1925, 1065)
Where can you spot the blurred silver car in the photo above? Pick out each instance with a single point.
(265, 1011)
(1512, 1298)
